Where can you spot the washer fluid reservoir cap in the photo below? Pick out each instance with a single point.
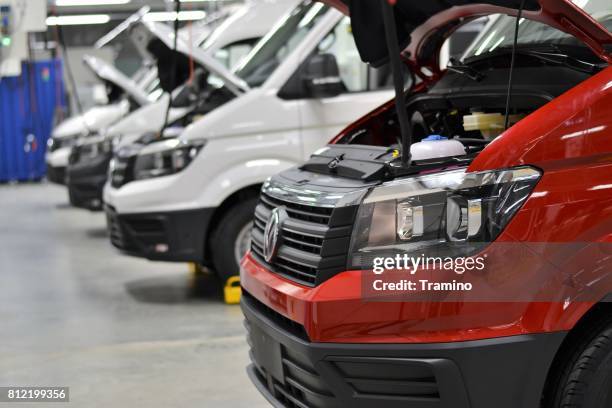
(434, 137)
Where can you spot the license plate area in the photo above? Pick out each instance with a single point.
(267, 353)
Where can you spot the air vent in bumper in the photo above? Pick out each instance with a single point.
(295, 373)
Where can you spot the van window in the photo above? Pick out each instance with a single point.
(356, 75)
(500, 34)
(271, 50)
(231, 55)
(154, 90)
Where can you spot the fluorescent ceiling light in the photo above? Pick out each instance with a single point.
(68, 3)
(171, 15)
(83, 19)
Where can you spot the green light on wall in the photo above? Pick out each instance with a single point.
(6, 41)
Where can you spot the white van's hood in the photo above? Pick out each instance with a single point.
(248, 113)
(107, 72)
(166, 34)
(92, 120)
(149, 118)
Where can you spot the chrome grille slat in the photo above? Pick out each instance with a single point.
(297, 241)
(291, 254)
(298, 227)
(308, 277)
(312, 210)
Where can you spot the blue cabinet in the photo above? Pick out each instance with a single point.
(28, 105)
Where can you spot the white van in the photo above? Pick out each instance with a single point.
(208, 83)
(124, 94)
(191, 199)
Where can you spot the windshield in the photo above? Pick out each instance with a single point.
(500, 34)
(154, 90)
(279, 43)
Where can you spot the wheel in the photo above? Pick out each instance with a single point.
(71, 199)
(585, 380)
(232, 238)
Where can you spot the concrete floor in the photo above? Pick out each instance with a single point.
(119, 331)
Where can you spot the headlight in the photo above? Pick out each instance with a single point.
(446, 214)
(54, 144)
(168, 161)
(95, 149)
(91, 149)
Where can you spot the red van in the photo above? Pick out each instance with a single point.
(335, 319)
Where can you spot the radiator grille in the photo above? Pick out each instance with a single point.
(314, 240)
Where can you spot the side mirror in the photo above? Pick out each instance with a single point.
(321, 76)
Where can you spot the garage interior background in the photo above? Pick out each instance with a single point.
(117, 330)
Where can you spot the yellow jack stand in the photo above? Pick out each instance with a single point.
(232, 291)
(193, 268)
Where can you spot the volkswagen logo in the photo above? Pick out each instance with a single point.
(272, 234)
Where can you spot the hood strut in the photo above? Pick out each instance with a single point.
(174, 67)
(510, 78)
(398, 78)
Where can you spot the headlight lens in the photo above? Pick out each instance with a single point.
(91, 149)
(95, 149)
(54, 144)
(166, 162)
(446, 214)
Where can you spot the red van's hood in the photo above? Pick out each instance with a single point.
(424, 25)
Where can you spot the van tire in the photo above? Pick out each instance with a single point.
(223, 238)
(586, 377)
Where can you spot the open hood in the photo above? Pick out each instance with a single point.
(108, 73)
(123, 26)
(423, 26)
(165, 33)
(198, 31)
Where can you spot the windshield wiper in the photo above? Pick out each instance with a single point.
(464, 69)
(550, 53)
(556, 56)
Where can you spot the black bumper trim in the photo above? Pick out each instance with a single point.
(85, 181)
(86, 195)
(252, 373)
(56, 175)
(506, 372)
(182, 233)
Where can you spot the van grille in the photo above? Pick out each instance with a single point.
(314, 239)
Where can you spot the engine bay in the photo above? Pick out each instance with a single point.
(455, 118)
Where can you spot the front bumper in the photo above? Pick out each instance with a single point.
(291, 371)
(177, 236)
(56, 174)
(86, 181)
